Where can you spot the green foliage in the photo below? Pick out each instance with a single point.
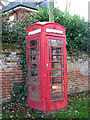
(76, 30)
(20, 91)
(14, 33)
(76, 27)
(43, 14)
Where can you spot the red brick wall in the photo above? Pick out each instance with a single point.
(11, 71)
(77, 72)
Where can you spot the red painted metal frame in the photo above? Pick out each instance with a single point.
(60, 103)
(45, 104)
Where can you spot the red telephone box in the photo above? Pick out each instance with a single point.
(47, 66)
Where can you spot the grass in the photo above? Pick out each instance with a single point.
(77, 108)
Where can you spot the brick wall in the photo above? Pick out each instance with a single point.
(11, 71)
(77, 71)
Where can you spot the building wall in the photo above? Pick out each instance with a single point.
(20, 14)
(77, 71)
(11, 71)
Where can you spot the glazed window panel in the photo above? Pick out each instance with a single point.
(55, 42)
(56, 72)
(50, 80)
(34, 96)
(34, 88)
(50, 89)
(56, 69)
(50, 57)
(38, 42)
(63, 88)
(62, 43)
(38, 49)
(39, 96)
(33, 65)
(63, 80)
(56, 65)
(33, 50)
(57, 96)
(63, 72)
(56, 50)
(49, 42)
(33, 72)
(33, 43)
(50, 72)
(57, 88)
(63, 65)
(63, 58)
(33, 80)
(56, 58)
(62, 50)
(34, 58)
(57, 80)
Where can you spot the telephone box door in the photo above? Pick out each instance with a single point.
(57, 72)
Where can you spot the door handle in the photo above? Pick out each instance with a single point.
(47, 65)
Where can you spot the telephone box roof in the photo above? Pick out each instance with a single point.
(45, 23)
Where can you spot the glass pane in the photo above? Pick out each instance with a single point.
(62, 58)
(39, 96)
(56, 65)
(50, 57)
(63, 88)
(56, 72)
(33, 80)
(34, 96)
(57, 96)
(63, 95)
(49, 42)
(33, 43)
(38, 50)
(55, 42)
(63, 72)
(34, 88)
(33, 50)
(56, 50)
(33, 72)
(50, 80)
(50, 97)
(49, 50)
(39, 80)
(57, 80)
(50, 89)
(33, 58)
(62, 50)
(63, 80)
(56, 58)
(38, 73)
(63, 65)
(38, 42)
(39, 88)
(33, 65)
(50, 72)
(62, 42)
(57, 88)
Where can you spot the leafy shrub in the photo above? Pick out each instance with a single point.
(20, 91)
(76, 27)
